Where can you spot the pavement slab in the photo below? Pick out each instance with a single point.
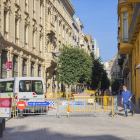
(41, 127)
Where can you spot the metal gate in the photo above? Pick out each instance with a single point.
(57, 107)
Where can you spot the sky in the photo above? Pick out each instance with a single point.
(99, 18)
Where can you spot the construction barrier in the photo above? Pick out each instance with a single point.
(92, 104)
(73, 106)
(59, 94)
(90, 91)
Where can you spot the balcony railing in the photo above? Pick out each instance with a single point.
(134, 18)
(121, 1)
(118, 38)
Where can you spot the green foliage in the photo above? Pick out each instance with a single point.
(115, 84)
(74, 65)
(99, 75)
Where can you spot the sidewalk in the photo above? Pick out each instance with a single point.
(135, 108)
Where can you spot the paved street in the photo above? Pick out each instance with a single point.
(76, 128)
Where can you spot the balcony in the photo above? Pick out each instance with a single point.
(133, 30)
(126, 66)
(117, 75)
(51, 60)
(118, 38)
(118, 24)
(50, 28)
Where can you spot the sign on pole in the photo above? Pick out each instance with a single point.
(21, 105)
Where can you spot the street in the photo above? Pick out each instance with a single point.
(78, 128)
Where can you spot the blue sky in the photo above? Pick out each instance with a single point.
(99, 18)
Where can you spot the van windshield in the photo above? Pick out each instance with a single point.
(6, 86)
(31, 86)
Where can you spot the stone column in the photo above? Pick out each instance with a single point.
(0, 62)
(20, 65)
(36, 69)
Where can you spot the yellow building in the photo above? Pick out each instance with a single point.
(129, 43)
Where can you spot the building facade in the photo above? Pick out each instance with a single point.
(89, 43)
(75, 27)
(129, 44)
(95, 48)
(31, 35)
(107, 68)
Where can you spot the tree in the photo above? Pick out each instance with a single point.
(74, 66)
(105, 82)
(99, 75)
(115, 84)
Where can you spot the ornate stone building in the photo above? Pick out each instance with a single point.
(31, 34)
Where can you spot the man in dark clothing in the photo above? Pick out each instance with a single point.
(126, 100)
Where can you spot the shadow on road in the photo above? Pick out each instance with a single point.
(20, 133)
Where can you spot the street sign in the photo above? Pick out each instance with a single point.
(90, 100)
(5, 107)
(40, 103)
(74, 103)
(8, 65)
(21, 105)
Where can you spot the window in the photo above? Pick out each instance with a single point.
(3, 64)
(15, 66)
(40, 43)
(16, 25)
(24, 68)
(32, 69)
(33, 5)
(33, 41)
(6, 86)
(5, 20)
(37, 87)
(39, 71)
(25, 34)
(25, 86)
(125, 27)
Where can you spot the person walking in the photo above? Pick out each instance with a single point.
(126, 100)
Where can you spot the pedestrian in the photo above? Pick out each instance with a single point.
(126, 100)
(83, 88)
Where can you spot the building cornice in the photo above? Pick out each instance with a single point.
(69, 6)
(9, 44)
(59, 14)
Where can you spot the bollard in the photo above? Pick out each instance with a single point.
(3, 123)
(2, 120)
(1, 130)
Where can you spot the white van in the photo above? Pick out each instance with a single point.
(23, 88)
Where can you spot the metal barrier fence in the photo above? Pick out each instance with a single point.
(90, 105)
(33, 106)
(58, 107)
